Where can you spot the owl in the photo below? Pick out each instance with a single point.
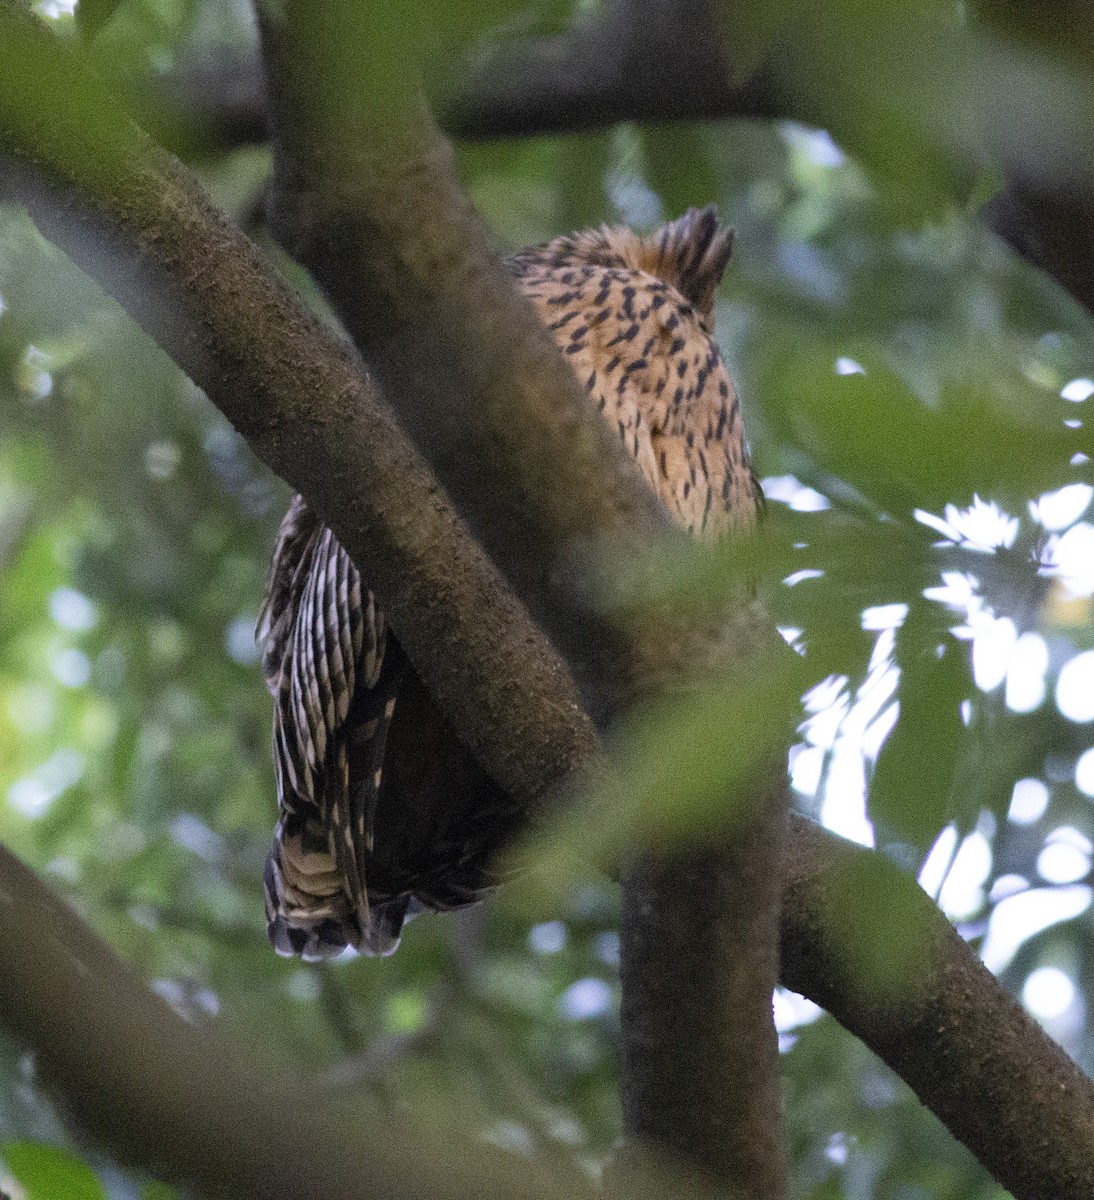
(382, 812)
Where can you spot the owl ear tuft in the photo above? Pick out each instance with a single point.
(692, 254)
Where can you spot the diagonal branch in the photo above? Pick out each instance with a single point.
(138, 222)
(967, 1048)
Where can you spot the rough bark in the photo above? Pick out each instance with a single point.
(692, 1070)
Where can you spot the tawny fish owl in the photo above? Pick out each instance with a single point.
(360, 844)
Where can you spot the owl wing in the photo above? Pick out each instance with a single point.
(333, 670)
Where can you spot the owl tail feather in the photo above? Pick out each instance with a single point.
(384, 926)
(322, 932)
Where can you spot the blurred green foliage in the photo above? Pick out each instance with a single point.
(892, 357)
(45, 1173)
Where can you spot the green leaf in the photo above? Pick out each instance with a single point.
(682, 767)
(887, 949)
(92, 15)
(47, 1173)
(874, 433)
(154, 1190)
(913, 782)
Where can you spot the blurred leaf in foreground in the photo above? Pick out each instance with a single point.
(46, 1173)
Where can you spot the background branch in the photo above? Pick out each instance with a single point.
(655, 63)
(211, 105)
(1053, 229)
(632, 61)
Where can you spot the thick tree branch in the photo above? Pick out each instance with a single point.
(365, 195)
(691, 1065)
(169, 1097)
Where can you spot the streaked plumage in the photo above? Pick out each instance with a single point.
(351, 858)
